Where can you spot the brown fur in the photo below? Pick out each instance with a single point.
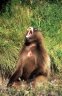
(34, 62)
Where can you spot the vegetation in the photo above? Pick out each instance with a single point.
(46, 15)
(45, 90)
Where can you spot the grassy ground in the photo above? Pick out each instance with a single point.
(45, 16)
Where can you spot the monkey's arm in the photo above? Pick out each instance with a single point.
(17, 73)
(15, 76)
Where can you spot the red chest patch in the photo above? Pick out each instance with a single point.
(29, 54)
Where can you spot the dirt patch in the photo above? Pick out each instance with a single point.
(50, 88)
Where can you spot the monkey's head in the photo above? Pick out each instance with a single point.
(32, 35)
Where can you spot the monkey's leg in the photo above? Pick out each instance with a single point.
(34, 74)
(39, 80)
(37, 72)
(37, 77)
(15, 76)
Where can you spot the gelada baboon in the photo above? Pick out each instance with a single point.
(33, 60)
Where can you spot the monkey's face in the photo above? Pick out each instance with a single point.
(31, 32)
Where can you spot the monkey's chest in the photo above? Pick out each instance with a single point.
(29, 57)
(29, 61)
(29, 64)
